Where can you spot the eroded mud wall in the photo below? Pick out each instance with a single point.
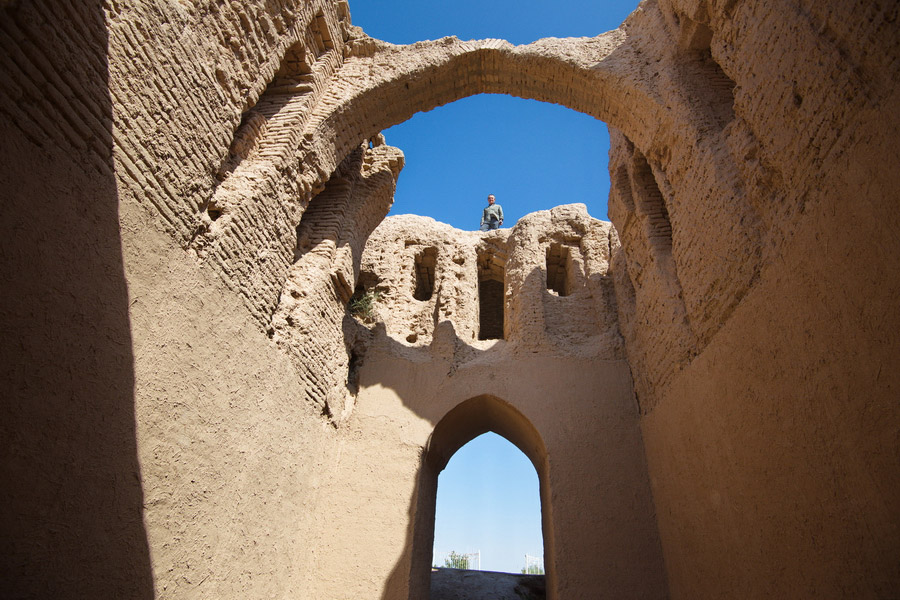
(759, 303)
(71, 494)
(156, 442)
(159, 157)
(235, 430)
(230, 450)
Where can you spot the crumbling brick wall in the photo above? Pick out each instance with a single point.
(754, 196)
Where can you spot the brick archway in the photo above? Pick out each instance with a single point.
(379, 85)
(393, 83)
(295, 137)
(458, 427)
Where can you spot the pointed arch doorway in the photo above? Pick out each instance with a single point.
(488, 512)
(458, 427)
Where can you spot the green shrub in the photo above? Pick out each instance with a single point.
(362, 305)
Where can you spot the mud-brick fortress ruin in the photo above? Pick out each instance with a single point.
(194, 193)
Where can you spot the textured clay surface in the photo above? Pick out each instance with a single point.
(194, 405)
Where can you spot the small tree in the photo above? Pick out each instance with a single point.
(455, 560)
(534, 565)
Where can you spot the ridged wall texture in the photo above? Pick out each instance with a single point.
(188, 192)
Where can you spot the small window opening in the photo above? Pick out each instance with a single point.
(354, 362)
(491, 295)
(557, 269)
(425, 262)
(490, 305)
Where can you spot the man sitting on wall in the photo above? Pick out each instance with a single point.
(492, 217)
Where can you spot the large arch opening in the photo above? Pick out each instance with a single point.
(530, 155)
(378, 85)
(591, 85)
(489, 506)
(578, 73)
(464, 423)
(533, 155)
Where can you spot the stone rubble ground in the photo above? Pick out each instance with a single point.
(461, 584)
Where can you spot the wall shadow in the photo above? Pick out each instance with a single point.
(71, 496)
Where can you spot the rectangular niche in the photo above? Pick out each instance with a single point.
(491, 295)
(425, 262)
(558, 263)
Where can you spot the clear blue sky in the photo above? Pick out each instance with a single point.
(488, 500)
(532, 156)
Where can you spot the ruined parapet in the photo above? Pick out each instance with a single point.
(560, 292)
(541, 286)
(423, 272)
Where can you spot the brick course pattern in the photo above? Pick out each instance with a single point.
(744, 294)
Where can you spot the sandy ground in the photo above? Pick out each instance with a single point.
(459, 584)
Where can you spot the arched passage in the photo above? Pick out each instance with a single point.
(380, 85)
(488, 501)
(459, 426)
